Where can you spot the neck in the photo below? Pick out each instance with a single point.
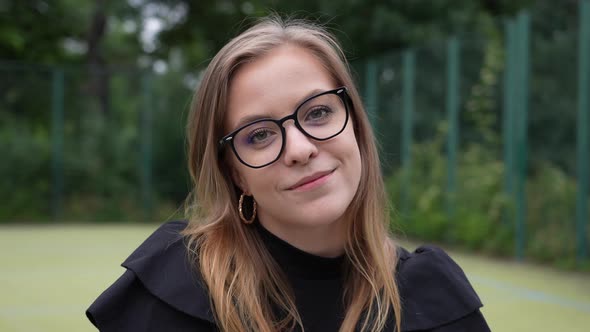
(323, 240)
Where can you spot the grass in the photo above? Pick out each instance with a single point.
(49, 275)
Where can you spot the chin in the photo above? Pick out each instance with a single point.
(324, 215)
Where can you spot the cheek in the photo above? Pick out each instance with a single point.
(351, 148)
(258, 182)
(353, 160)
(357, 164)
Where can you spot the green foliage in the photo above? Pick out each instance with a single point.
(54, 32)
(366, 28)
(479, 203)
(482, 219)
(102, 158)
(26, 192)
(551, 214)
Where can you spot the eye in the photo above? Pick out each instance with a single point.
(318, 114)
(261, 136)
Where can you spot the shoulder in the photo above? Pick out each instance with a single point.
(160, 286)
(434, 290)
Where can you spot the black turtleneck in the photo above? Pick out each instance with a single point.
(317, 282)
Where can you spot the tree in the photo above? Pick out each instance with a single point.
(365, 28)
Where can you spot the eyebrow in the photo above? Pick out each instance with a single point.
(253, 117)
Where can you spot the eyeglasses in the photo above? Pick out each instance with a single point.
(261, 142)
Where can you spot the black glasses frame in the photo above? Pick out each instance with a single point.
(229, 138)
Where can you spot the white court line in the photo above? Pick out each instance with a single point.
(532, 295)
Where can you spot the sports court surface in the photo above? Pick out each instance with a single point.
(50, 274)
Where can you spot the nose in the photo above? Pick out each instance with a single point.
(299, 149)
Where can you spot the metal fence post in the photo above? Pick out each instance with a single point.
(57, 143)
(146, 145)
(371, 93)
(452, 109)
(523, 27)
(508, 113)
(408, 63)
(583, 123)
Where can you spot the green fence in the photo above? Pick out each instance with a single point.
(484, 139)
(91, 145)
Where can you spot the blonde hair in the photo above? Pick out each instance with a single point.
(243, 280)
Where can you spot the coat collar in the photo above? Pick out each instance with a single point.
(433, 288)
(162, 265)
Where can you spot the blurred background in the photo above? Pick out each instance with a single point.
(481, 109)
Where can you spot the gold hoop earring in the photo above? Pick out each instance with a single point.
(241, 210)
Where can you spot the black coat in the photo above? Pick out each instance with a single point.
(160, 291)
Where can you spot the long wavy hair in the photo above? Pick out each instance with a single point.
(245, 284)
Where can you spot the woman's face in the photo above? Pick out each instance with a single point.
(272, 86)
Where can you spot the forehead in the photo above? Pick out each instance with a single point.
(274, 84)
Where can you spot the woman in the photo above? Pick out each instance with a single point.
(288, 223)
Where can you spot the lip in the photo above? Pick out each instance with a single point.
(309, 180)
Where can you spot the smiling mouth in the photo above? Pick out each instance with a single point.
(312, 181)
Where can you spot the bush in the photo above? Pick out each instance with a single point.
(482, 212)
(25, 171)
(102, 158)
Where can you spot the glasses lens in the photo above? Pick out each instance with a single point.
(259, 143)
(323, 116)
